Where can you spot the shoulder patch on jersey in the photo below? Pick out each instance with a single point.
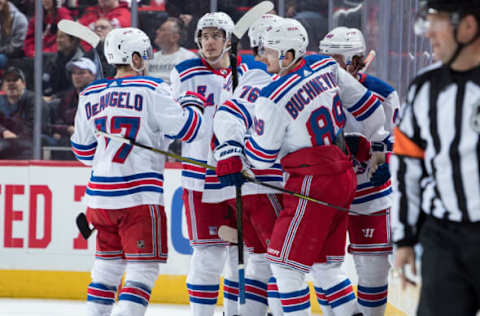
(278, 88)
(191, 68)
(146, 82)
(189, 63)
(319, 62)
(157, 80)
(376, 85)
(249, 62)
(96, 85)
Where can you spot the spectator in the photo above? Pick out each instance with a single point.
(189, 12)
(117, 12)
(168, 38)
(83, 72)
(27, 7)
(56, 77)
(102, 28)
(13, 28)
(17, 116)
(313, 15)
(52, 14)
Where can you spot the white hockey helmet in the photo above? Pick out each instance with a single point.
(288, 35)
(219, 20)
(122, 43)
(257, 30)
(344, 41)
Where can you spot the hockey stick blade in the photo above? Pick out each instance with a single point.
(368, 60)
(80, 31)
(83, 226)
(250, 17)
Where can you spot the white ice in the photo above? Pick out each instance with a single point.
(43, 307)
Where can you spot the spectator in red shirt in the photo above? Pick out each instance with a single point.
(52, 14)
(117, 12)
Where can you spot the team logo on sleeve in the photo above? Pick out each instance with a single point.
(475, 119)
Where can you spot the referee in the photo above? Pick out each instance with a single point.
(436, 166)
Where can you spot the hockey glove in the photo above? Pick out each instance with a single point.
(381, 175)
(193, 99)
(359, 146)
(380, 171)
(229, 163)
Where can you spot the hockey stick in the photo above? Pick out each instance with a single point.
(249, 178)
(83, 226)
(368, 60)
(241, 27)
(82, 32)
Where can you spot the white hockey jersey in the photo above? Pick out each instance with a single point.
(216, 86)
(368, 198)
(305, 108)
(233, 121)
(139, 108)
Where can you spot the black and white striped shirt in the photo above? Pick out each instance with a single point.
(436, 166)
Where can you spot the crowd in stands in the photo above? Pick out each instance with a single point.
(68, 64)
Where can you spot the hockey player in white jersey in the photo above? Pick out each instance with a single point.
(125, 192)
(299, 118)
(233, 121)
(210, 76)
(370, 236)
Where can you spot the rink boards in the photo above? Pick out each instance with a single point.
(42, 254)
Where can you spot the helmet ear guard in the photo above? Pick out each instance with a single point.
(344, 41)
(288, 35)
(219, 20)
(122, 43)
(257, 30)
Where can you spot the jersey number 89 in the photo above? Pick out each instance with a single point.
(320, 125)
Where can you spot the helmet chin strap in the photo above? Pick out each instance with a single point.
(456, 22)
(219, 58)
(283, 69)
(142, 67)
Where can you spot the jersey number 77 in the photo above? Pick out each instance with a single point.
(118, 124)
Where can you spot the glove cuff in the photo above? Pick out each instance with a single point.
(228, 149)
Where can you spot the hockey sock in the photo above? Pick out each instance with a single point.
(274, 302)
(203, 298)
(293, 290)
(230, 302)
(230, 297)
(206, 265)
(336, 287)
(106, 276)
(372, 289)
(257, 274)
(133, 299)
(322, 300)
(100, 299)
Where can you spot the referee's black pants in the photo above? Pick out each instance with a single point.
(450, 269)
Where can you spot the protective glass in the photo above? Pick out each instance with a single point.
(148, 53)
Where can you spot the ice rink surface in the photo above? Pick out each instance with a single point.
(31, 307)
(35, 307)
